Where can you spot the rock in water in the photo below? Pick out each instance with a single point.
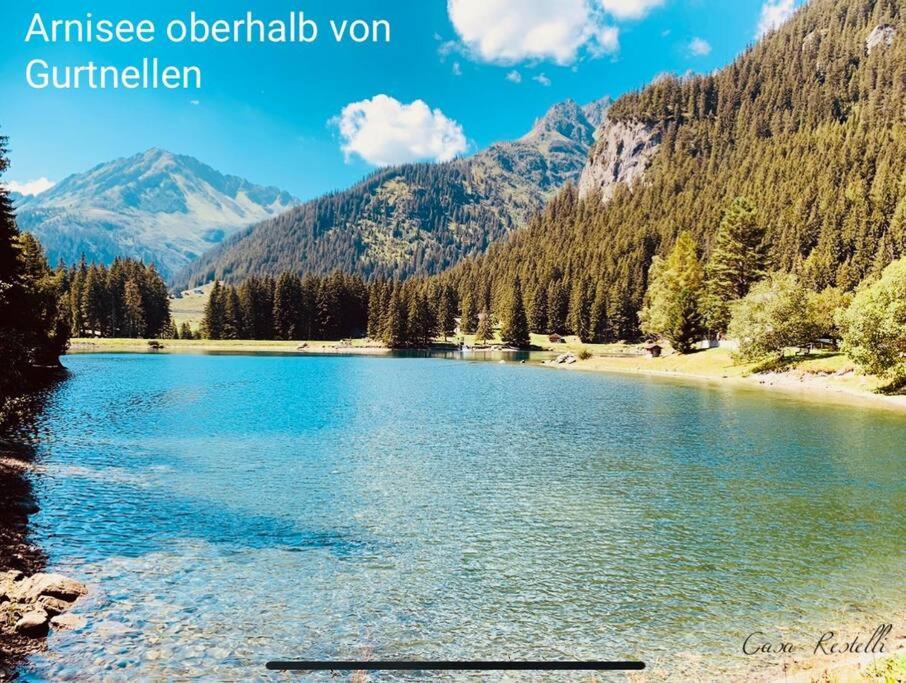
(8, 583)
(53, 606)
(51, 585)
(68, 622)
(881, 36)
(33, 624)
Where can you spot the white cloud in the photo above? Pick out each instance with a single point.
(383, 131)
(510, 31)
(699, 47)
(774, 13)
(607, 41)
(457, 69)
(194, 103)
(30, 187)
(514, 76)
(630, 9)
(542, 79)
(447, 48)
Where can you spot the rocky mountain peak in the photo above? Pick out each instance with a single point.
(155, 205)
(414, 218)
(596, 112)
(564, 119)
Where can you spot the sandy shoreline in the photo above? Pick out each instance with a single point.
(852, 668)
(801, 386)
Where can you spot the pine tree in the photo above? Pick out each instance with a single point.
(47, 331)
(95, 301)
(395, 327)
(213, 323)
(155, 298)
(598, 322)
(232, 314)
(169, 330)
(557, 304)
(446, 312)
(538, 310)
(376, 309)
(515, 331)
(485, 330)
(133, 315)
(672, 303)
(287, 307)
(580, 310)
(420, 321)
(74, 299)
(251, 308)
(468, 320)
(737, 262)
(116, 286)
(328, 307)
(33, 321)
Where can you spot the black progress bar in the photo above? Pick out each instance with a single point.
(379, 665)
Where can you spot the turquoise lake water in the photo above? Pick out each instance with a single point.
(230, 510)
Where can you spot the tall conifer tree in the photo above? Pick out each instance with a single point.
(515, 330)
(737, 262)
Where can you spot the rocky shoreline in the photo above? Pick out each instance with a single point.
(31, 601)
(31, 605)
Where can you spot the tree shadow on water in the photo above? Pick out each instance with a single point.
(131, 520)
(19, 418)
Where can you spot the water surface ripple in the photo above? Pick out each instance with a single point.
(229, 510)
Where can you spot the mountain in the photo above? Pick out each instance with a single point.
(415, 218)
(808, 124)
(158, 206)
(596, 112)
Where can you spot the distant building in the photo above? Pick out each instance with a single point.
(654, 350)
(556, 339)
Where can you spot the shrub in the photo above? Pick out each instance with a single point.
(874, 326)
(672, 302)
(778, 313)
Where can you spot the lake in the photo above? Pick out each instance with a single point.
(230, 510)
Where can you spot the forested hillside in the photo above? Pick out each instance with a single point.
(809, 125)
(417, 218)
(128, 299)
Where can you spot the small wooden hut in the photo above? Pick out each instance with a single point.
(654, 350)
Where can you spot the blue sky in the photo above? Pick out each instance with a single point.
(272, 113)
